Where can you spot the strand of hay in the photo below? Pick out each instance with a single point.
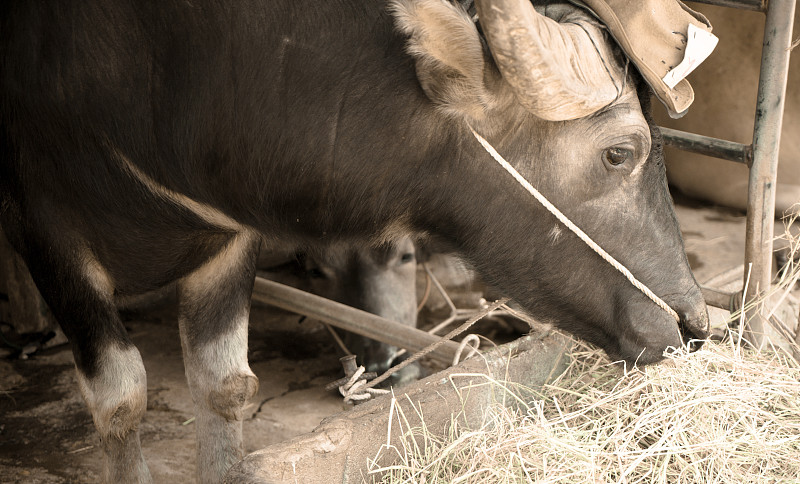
(722, 414)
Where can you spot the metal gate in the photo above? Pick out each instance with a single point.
(761, 156)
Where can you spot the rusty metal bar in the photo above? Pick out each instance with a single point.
(764, 172)
(755, 5)
(716, 298)
(706, 145)
(350, 319)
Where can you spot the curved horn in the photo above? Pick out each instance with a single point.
(558, 71)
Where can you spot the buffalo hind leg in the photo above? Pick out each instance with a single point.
(110, 372)
(213, 318)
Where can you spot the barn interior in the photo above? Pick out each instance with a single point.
(47, 434)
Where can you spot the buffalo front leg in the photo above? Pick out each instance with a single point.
(213, 316)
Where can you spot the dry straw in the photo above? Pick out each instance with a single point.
(723, 414)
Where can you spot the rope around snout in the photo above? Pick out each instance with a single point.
(574, 228)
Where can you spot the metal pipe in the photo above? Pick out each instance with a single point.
(755, 5)
(718, 299)
(350, 319)
(764, 172)
(706, 145)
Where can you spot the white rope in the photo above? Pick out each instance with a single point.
(354, 389)
(574, 228)
(474, 343)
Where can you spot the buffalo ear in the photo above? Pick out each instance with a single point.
(452, 62)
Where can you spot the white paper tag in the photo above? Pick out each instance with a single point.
(699, 45)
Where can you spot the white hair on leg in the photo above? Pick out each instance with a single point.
(117, 399)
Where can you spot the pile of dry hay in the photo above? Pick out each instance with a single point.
(721, 414)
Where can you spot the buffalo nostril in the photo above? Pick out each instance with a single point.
(694, 329)
(692, 343)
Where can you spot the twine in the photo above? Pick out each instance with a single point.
(574, 228)
(452, 334)
(355, 390)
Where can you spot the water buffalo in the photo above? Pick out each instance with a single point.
(150, 142)
(381, 280)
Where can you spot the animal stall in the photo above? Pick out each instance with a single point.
(462, 386)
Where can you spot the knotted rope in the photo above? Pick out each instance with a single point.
(353, 386)
(452, 334)
(355, 389)
(574, 228)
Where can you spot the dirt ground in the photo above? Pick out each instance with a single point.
(47, 436)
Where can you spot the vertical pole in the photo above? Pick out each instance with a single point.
(764, 172)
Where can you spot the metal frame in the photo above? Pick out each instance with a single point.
(762, 155)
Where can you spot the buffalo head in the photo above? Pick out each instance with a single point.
(554, 95)
(380, 280)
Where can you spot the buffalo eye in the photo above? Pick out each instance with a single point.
(617, 156)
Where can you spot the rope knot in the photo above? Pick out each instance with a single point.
(354, 386)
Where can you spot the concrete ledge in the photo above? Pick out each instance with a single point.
(339, 449)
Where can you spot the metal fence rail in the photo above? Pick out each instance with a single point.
(762, 155)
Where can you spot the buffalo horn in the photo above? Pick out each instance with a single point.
(557, 70)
